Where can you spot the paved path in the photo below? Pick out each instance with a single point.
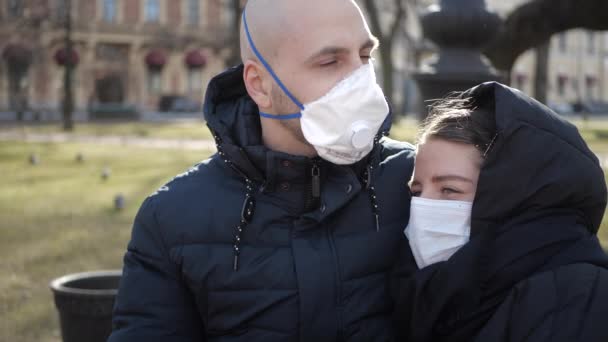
(158, 143)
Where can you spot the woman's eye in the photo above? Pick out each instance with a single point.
(366, 58)
(449, 191)
(415, 193)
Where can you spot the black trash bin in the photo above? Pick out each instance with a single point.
(85, 302)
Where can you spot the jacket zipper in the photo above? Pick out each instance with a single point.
(316, 181)
(313, 200)
(313, 195)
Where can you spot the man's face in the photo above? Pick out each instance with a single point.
(325, 47)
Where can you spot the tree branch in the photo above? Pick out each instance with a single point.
(399, 16)
(536, 21)
(374, 18)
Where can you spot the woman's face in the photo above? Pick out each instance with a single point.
(446, 170)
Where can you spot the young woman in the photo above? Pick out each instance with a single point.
(507, 201)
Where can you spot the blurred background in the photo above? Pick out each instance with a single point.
(100, 105)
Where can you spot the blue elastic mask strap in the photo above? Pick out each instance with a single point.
(281, 116)
(272, 73)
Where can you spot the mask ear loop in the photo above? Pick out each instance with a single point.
(273, 74)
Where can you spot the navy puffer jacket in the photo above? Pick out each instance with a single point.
(257, 245)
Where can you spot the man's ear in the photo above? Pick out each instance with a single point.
(257, 85)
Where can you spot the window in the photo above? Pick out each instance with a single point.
(563, 42)
(154, 81)
(562, 80)
(152, 10)
(62, 8)
(195, 80)
(590, 82)
(228, 15)
(193, 12)
(591, 42)
(520, 80)
(109, 10)
(15, 8)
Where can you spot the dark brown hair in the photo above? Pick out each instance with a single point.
(459, 119)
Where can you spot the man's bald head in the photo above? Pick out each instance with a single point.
(271, 23)
(310, 45)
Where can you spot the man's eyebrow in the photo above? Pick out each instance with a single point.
(372, 43)
(328, 50)
(443, 178)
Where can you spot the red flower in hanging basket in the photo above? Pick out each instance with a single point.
(196, 59)
(156, 59)
(63, 58)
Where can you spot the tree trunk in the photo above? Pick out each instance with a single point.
(235, 51)
(386, 42)
(386, 60)
(68, 100)
(542, 71)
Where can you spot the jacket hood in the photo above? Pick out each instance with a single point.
(538, 164)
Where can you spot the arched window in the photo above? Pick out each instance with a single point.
(152, 10)
(14, 8)
(194, 9)
(109, 10)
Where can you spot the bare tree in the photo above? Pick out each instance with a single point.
(387, 39)
(29, 24)
(236, 7)
(536, 21)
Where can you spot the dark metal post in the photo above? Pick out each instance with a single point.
(460, 29)
(68, 86)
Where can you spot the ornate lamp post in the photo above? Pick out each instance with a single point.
(460, 29)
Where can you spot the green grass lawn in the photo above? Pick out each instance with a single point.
(58, 218)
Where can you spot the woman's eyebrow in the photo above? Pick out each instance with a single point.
(443, 178)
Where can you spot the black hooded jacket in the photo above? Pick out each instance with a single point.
(257, 245)
(533, 269)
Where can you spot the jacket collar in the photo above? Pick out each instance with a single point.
(234, 120)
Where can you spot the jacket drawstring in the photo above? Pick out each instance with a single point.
(246, 216)
(248, 204)
(371, 190)
(372, 194)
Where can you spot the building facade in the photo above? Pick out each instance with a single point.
(131, 52)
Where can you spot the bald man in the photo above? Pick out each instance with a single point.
(293, 231)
